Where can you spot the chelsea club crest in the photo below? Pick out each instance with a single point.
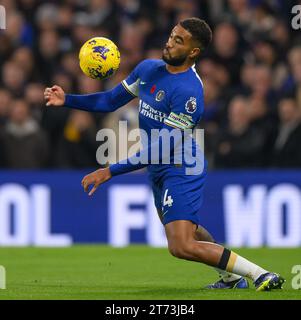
(190, 105)
(160, 95)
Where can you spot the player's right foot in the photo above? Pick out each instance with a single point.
(269, 281)
(240, 283)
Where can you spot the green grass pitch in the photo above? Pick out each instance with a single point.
(132, 273)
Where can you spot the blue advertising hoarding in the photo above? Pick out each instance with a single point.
(241, 208)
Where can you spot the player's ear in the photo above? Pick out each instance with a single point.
(194, 53)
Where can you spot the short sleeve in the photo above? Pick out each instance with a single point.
(187, 107)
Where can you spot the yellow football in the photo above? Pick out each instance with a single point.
(99, 58)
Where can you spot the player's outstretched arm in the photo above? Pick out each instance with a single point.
(96, 178)
(106, 101)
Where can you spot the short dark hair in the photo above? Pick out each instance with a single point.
(199, 30)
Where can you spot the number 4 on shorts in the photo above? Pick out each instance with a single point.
(167, 199)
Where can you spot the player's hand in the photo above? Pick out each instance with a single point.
(96, 178)
(55, 96)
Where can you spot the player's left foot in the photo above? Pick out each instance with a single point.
(269, 281)
(240, 283)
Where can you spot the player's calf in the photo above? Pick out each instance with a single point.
(181, 250)
(194, 251)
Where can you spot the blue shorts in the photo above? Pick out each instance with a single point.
(178, 197)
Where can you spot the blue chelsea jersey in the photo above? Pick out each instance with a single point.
(175, 100)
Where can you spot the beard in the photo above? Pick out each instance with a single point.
(175, 61)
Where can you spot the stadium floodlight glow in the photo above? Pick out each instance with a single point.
(2, 17)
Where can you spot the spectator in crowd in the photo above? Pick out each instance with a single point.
(48, 54)
(14, 78)
(77, 145)
(287, 151)
(35, 98)
(294, 80)
(226, 50)
(263, 121)
(239, 145)
(23, 143)
(262, 85)
(24, 59)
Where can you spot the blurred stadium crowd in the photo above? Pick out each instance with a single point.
(251, 75)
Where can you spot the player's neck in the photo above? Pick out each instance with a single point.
(178, 69)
